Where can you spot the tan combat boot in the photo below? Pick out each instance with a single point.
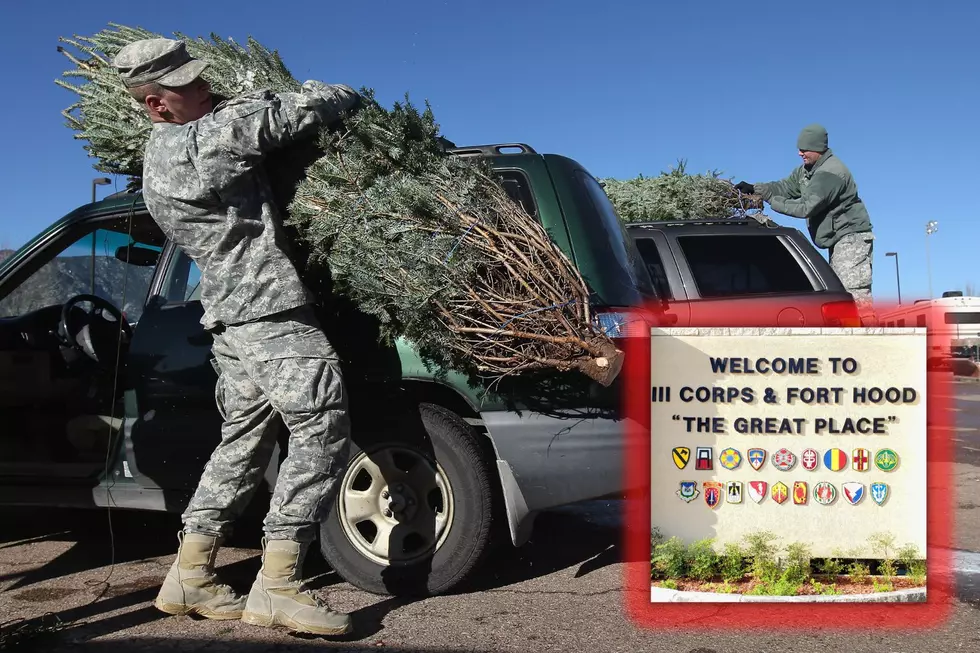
(278, 598)
(191, 586)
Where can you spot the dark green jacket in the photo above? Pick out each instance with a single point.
(825, 196)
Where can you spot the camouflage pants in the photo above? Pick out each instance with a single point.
(851, 258)
(280, 366)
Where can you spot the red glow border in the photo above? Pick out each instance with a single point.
(809, 616)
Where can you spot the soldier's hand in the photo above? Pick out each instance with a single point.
(745, 188)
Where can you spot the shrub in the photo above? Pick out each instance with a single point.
(797, 562)
(669, 558)
(762, 551)
(859, 571)
(702, 560)
(732, 562)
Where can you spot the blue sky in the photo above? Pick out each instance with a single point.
(623, 87)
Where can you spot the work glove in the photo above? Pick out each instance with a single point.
(340, 124)
(745, 188)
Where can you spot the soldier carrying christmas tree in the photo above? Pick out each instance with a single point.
(822, 191)
(204, 184)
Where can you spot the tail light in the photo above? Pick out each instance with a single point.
(841, 314)
(624, 323)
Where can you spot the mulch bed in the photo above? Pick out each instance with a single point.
(842, 585)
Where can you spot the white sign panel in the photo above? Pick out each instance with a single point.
(816, 435)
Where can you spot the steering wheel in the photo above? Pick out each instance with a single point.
(95, 338)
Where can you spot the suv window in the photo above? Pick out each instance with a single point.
(69, 272)
(518, 188)
(183, 280)
(611, 229)
(655, 266)
(962, 318)
(728, 265)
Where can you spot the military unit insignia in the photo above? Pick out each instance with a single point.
(780, 492)
(809, 459)
(835, 460)
(853, 492)
(681, 455)
(784, 460)
(688, 491)
(730, 458)
(800, 493)
(757, 490)
(825, 493)
(879, 492)
(734, 491)
(704, 459)
(712, 493)
(886, 460)
(860, 459)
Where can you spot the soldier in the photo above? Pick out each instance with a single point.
(822, 192)
(204, 184)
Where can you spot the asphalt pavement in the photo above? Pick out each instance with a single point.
(563, 591)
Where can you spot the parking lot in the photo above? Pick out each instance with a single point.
(562, 591)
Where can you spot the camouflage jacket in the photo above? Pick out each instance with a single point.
(825, 196)
(204, 184)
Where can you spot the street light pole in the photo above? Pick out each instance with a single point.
(898, 279)
(931, 227)
(98, 181)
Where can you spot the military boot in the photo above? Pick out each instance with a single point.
(278, 598)
(191, 586)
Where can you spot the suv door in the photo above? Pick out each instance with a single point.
(62, 408)
(176, 423)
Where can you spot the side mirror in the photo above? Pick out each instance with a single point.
(139, 256)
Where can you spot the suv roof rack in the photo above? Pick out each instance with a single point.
(492, 150)
(676, 223)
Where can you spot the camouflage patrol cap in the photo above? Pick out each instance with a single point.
(161, 61)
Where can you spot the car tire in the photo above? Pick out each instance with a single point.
(466, 501)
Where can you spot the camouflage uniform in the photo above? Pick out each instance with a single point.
(204, 184)
(826, 196)
(851, 258)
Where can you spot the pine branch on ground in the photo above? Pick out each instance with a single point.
(428, 244)
(678, 195)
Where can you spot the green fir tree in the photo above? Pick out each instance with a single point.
(429, 245)
(677, 195)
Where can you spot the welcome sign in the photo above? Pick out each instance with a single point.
(815, 434)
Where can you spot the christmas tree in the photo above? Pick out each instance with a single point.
(678, 195)
(428, 244)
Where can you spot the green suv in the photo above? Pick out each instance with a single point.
(441, 468)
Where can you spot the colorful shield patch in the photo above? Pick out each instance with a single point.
(879, 492)
(835, 460)
(688, 491)
(783, 459)
(860, 459)
(800, 493)
(757, 458)
(681, 456)
(730, 458)
(757, 490)
(704, 459)
(809, 459)
(886, 460)
(780, 492)
(853, 492)
(825, 493)
(734, 491)
(712, 493)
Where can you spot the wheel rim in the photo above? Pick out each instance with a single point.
(396, 506)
